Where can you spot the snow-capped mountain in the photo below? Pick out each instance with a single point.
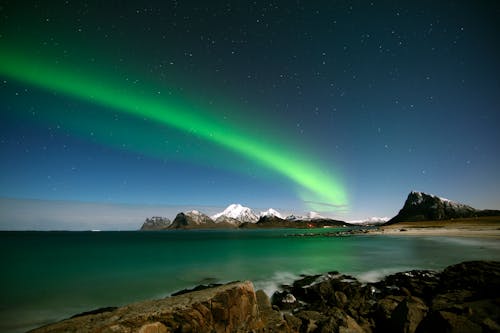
(293, 217)
(419, 198)
(376, 219)
(238, 212)
(314, 215)
(271, 212)
(371, 220)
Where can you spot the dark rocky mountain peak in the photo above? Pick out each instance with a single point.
(155, 223)
(421, 206)
(191, 220)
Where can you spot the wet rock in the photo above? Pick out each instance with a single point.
(293, 322)
(442, 321)
(153, 328)
(490, 325)
(331, 289)
(419, 283)
(340, 299)
(285, 300)
(384, 309)
(407, 315)
(481, 277)
(334, 320)
(339, 321)
(272, 321)
(451, 301)
(310, 320)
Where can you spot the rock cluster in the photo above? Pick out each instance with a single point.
(462, 298)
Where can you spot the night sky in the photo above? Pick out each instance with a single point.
(333, 106)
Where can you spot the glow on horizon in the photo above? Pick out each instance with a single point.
(102, 91)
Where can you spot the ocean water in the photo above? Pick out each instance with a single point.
(48, 276)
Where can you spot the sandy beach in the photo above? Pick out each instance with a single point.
(487, 227)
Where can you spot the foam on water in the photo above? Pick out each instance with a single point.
(379, 274)
(273, 284)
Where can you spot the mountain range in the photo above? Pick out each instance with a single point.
(238, 216)
(419, 206)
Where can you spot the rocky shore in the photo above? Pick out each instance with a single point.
(462, 298)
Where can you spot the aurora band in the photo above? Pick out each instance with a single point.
(126, 99)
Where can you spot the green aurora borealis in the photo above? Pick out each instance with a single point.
(315, 183)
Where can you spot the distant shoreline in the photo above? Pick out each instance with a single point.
(483, 227)
(479, 227)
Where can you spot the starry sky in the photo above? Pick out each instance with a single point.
(333, 106)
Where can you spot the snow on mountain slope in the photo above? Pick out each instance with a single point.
(416, 198)
(238, 212)
(314, 215)
(271, 212)
(371, 220)
(420, 206)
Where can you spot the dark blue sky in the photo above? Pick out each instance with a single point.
(388, 96)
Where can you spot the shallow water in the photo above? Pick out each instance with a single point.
(48, 276)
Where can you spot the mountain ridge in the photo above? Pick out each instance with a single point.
(238, 216)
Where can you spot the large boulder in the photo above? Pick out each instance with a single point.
(271, 319)
(481, 277)
(383, 310)
(442, 321)
(228, 308)
(334, 320)
(407, 315)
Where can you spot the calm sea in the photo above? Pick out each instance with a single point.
(48, 276)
